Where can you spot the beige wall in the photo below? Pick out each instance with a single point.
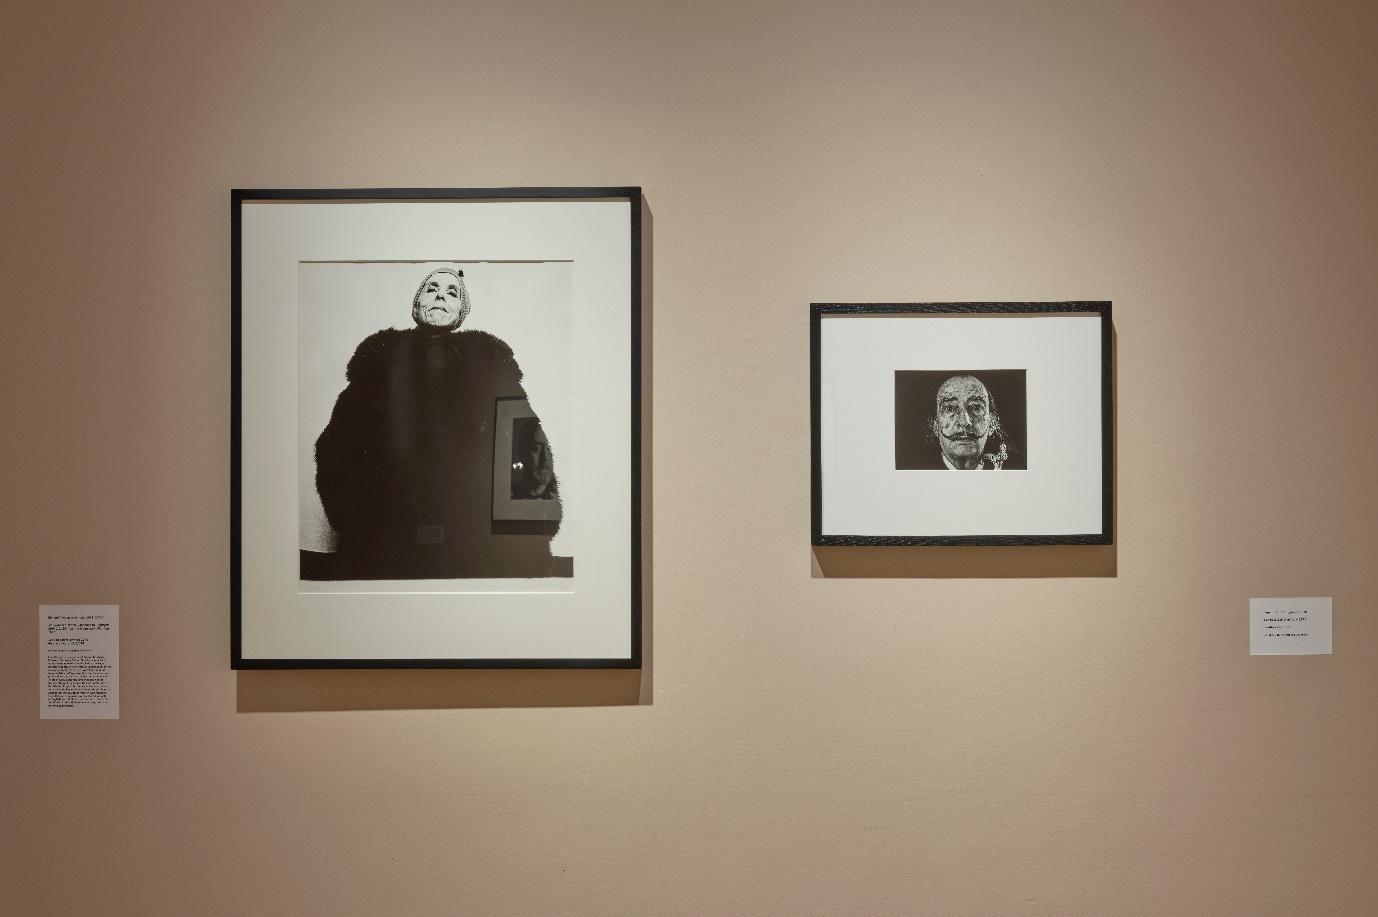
(1035, 732)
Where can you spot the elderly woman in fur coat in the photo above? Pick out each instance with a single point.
(404, 466)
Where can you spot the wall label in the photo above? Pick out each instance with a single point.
(79, 662)
(1289, 627)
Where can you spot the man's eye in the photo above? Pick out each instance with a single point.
(431, 288)
(453, 291)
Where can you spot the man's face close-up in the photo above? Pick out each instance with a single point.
(964, 419)
(438, 302)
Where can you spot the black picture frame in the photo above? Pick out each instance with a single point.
(1101, 533)
(629, 452)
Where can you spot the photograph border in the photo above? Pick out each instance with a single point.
(238, 197)
(1099, 308)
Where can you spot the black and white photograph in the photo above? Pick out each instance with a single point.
(960, 420)
(396, 483)
(526, 488)
(436, 429)
(903, 393)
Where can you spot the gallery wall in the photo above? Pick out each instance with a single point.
(1042, 730)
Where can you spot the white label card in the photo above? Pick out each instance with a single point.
(79, 662)
(1289, 627)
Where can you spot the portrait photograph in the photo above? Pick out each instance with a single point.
(960, 420)
(436, 428)
(408, 373)
(904, 394)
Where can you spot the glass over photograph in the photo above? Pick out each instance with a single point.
(903, 393)
(432, 463)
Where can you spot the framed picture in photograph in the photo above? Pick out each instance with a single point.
(902, 395)
(525, 488)
(436, 439)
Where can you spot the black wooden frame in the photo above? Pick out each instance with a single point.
(238, 197)
(994, 309)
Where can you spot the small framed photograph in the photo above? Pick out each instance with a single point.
(436, 428)
(904, 394)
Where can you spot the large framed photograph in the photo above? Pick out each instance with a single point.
(436, 441)
(902, 395)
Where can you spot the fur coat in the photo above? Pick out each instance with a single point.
(404, 468)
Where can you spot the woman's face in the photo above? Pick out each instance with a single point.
(438, 302)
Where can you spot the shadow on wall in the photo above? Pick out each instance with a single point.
(983, 562)
(433, 689)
